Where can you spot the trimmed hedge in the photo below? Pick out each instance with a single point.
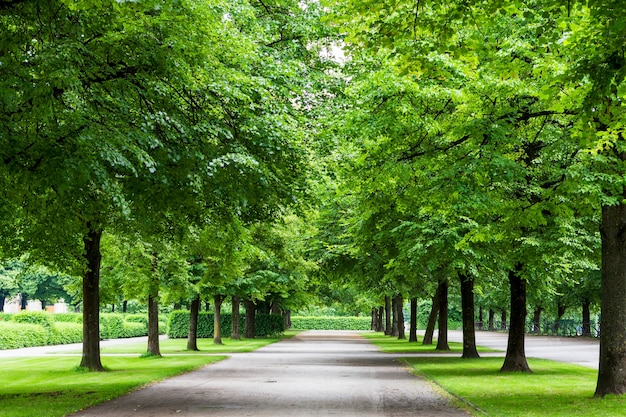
(18, 335)
(330, 323)
(65, 332)
(264, 324)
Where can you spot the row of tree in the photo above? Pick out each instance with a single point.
(139, 137)
(482, 142)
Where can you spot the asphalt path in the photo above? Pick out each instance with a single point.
(315, 373)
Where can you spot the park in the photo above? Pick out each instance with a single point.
(225, 175)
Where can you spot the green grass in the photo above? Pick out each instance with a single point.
(393, 345)
(52, 386)
(553, 389)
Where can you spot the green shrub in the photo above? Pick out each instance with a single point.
(66, 332)
(34, 317)
(134, 329)
(137, 318)
(111, 326)
(14, 335)
(68, 317)
(269, 325)
(264, 324)
(5, 316)
(330, 323)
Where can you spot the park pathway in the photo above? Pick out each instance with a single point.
(316, 373)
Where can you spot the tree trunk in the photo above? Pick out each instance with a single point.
(287, 319)
(560, 312)
(400, 317)
(153, 325)
(153, 310)
(387, 315)
(235, 333)
(2, 300)
(586, 318)
(442, 335)
(124, 306)
(492, 316)
(537, 319)
(217, 319)
(394, 322)
(91, 302)
(373, 315)
(248, 331)
(275, 308)
(480, 317)
(413, 319)
(612, 366)
(24, 300)
(503, 319)
(207, 306)
(192, 337)
(467, 307)
(432, 320)
(381, 316)
(515, 359)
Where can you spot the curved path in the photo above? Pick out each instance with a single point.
(313, 374)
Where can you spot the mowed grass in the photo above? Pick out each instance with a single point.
(394, 345)
(553, 389)
(52, 386)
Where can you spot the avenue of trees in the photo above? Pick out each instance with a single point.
(262, 151)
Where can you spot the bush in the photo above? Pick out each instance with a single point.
(331, 323)
(67, 317)
(111, 326)
(264, 324)
(5, 316)
(14, 335)
(66, 332)
(269, 325)
(134, 329)
(34, 317)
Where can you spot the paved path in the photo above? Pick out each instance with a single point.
(577, 350)
(313, 374)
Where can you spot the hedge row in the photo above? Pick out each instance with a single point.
(38, 328)
(264, 324)
(330, 323)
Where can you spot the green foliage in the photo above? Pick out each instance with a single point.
(330, 323)
(34, 317)
(5, 316)
(269, 325)
(15, 335)
(65, 332)
(115, 326)
(68, 317)
(264, 324)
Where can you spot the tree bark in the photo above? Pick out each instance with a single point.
(235, 333)
(387, 315)
(560, 311)
(492, 316)
(275, 308)
(153, 310)
(586, 318)
(612, 366)
(288, 319)
(400, 317)
(2, 299)
(248, 331)
(480, 317)
(432, 320)
(442, 335)
(537, 319)
(217, 319)
(381, 316)
(503, 319)
(91, 302)
(515, 359)
(373, 315)
(394, 322)
(192, 337)
(467, 307)
(154, 348)
(413, 319)
(124, 306)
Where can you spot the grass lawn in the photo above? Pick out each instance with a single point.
(393, 345)
(52, 386)
(553, 389)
